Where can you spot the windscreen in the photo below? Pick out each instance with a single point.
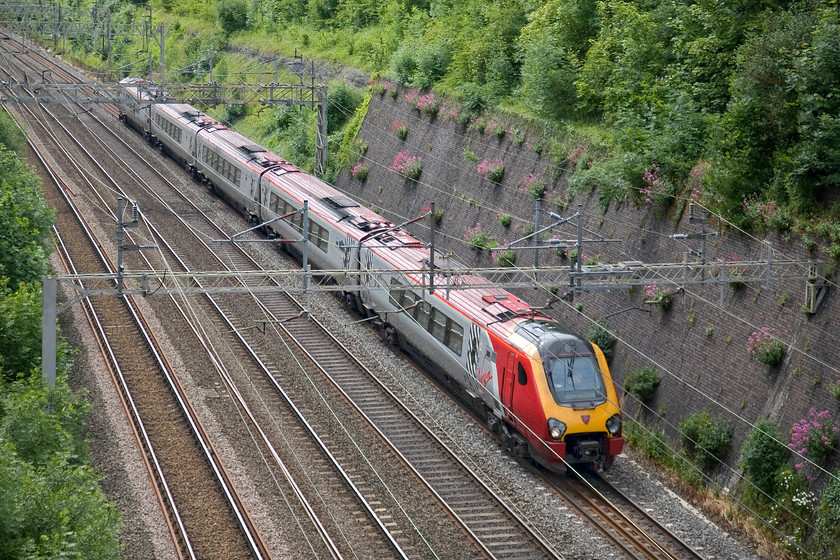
(574, 380)
(571, 368)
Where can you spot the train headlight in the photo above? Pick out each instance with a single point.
(556, 429)
(614, 424)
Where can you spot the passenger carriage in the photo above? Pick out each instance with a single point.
(548, 394)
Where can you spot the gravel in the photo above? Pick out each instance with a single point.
(641, 482)
(113, 450)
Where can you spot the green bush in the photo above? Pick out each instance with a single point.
(643, 382)
(232, 15)
(705, 439)
(762, 457)
(827, 538)
(650, 441)
(25, 222)
(599, 335)
(342, 102)
(505, 220)
(472, 97)
(10, 135)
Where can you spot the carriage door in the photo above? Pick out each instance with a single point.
(507, 384)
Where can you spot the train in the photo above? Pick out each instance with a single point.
(547, 394)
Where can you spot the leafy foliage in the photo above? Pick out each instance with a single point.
(20, 338)
(642, 382)
(478, 239)
(705, 439)
(599, 335)
(25, 221)
(232, 15)
(762, 457)
(342, 102)
(54, 511)
(11, 136)
(828, 519)
(750, 89)
(553, 43)
(50, 502)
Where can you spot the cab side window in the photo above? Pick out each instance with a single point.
(522, 376)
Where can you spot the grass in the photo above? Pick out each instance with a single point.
(653, 452)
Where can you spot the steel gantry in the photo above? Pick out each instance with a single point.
(444, 277)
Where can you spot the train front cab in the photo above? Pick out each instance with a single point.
(569, 414)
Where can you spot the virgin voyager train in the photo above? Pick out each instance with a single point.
(548, 394)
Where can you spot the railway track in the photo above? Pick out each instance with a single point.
(476, 516)
(474, 508)
(172, 443)
(648, 534)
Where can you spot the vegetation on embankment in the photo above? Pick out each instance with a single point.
(51, 505)
(733, 104)
(736, 104)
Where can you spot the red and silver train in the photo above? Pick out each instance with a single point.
(548, 394)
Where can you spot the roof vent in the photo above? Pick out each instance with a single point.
(340, 202)
(252, 148)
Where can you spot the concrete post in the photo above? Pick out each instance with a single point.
(48, 330)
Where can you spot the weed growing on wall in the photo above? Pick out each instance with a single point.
(492, 171)
(813, 437)
(764, 346)
(479, 239)
(407, 165)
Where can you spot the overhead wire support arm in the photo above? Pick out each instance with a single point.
(233, 238)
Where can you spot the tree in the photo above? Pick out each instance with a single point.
(25, 221)
(553, 44)
(814, 168)
(232, 15)
(622, 69)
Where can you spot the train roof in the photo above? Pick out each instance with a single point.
(493, 308)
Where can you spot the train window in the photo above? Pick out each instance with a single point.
(522, 376)
(574, 378)
(396, 293)
(273, 201)
(439, 325)
(408, 299)
(454, 336)
(319, 236)
(422, 312)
